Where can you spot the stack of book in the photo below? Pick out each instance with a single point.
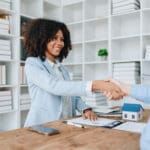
(5, 100)
(5, 4)
(106, 111)
(4, 24)
(75, 76)
(95, 100)
(2, 74)
(128, 72)
(146, 79)
(122, 6)
(147, 52)
(22, 76)
(25, 101)
(5, 49)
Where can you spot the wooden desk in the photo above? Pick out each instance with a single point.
(71, 138)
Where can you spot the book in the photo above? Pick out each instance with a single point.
(4, 42)
(5, 102)
(5, 5)
(5, 93)
(5, 108)
(5, 98)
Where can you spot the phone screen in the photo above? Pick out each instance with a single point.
(43, 129)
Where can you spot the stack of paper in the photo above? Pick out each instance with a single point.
(23, 79)
(96, 99)
(25, 101)
(122, 6)
(5, 49)
(5, 100)
(127, 72)
(131, 126)
(75, 76)
(3, 74)
(146, 79)
(5, 4)
(147, 52)
(105, 111)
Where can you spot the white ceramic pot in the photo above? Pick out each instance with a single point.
(103, 58)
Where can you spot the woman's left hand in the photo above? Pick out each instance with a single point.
(89, 114)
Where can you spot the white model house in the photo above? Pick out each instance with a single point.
(132, 112)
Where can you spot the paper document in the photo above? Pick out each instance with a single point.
(98, 122)
(131, 126)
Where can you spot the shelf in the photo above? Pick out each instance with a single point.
(96, 62)
(23, 85)
(91, 50)
(26, 7)
(72, 13)
(146, 60)
(146, 42)
(77, 43)
(96, 9)
(23, 108)
(126, 13)
(72, 2)
(145, 4)
(74, 23)
(27, 16)
(96, 30)
(7, 11)
(53, 3)
(94, 71)
(125, 60)
(126, 37)
(96, 41)
(145, 9)
(8, 86)
(76, 30)
(7, 36)
(126, 49)
(51, 11)
(72, 64)
(146, 21)
(9, 60)
(146, 34)
(127, 25)
(7, 111)
(22, 62)
(96, 19)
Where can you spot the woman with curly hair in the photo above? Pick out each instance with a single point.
(53, 95)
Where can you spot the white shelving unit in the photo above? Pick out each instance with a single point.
(92, 27)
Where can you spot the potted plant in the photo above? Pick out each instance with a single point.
(103, 54)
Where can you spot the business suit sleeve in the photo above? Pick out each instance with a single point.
(141, 93)
(145, 139)
(36, 75)
(80, 104)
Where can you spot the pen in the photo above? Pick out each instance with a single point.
(74, 124)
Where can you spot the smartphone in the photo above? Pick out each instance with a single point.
(44, 130)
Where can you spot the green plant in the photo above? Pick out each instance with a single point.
(102, 52)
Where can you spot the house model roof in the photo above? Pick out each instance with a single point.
(132, 107)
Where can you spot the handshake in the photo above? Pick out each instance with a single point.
(111, 88)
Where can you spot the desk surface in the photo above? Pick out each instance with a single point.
(71, 138)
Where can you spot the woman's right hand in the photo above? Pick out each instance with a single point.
(108, 87)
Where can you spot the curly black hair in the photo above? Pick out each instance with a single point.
(39, 32)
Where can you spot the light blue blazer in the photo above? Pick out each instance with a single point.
(142, 93)
(46, 89)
